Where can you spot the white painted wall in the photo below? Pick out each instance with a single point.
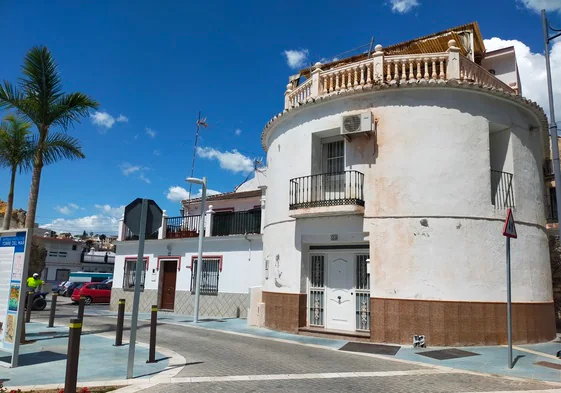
(240, 266)
(237, 204)
(504, 64)
(432, 161)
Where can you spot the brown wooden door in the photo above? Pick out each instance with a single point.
(168, 288)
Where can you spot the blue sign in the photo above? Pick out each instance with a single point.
(14, 241)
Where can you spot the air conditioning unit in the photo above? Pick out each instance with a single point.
(359, 123)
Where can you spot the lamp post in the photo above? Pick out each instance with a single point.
(202, 182)
(552, 125)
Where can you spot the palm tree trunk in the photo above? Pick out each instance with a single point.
(10, 205)
(36, 179)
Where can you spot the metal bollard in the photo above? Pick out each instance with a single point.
(120, 323)
(73, 355)
(54, 297)
(29, 306)
(81, 304)
(153, 325)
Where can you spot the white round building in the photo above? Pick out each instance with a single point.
(389, 179)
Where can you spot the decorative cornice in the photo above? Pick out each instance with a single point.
(451, 83)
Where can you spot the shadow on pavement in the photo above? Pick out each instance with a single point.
(158, 372)
(28, 359)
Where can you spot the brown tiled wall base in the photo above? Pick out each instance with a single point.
(285, 311)
(459, 323)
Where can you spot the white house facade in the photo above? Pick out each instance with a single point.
(389, 223)
(232, 258)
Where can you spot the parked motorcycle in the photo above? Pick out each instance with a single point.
(39, 301)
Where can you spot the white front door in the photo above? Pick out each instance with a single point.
(339, 292)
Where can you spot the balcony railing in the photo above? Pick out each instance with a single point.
(394, 69)
(327, 189)
(502, 191)
(182, 227)
(97, 258)
(236, 223)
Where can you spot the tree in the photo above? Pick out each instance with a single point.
(84, 235)
(15, 153)
(102, 238)
(39, 98)
(91, 233)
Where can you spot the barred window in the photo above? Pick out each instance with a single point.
(129, 279)
(209, 275)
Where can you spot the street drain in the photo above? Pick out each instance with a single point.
(378, 349)
(447, 354)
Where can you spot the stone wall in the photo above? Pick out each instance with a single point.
(555, 256)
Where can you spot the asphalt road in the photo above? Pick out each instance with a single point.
(217, 355)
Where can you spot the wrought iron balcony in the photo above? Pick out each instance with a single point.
(502, 191)
(182, 227)
(327, 189)
(236, 223)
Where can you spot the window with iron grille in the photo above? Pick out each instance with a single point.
(362, 289)
(209, 275)
(317, 290)
(129, 278)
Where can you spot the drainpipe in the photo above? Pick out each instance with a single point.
(249, 252)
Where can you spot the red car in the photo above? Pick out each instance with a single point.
(94, 292)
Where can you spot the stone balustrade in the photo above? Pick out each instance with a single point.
(398, 69)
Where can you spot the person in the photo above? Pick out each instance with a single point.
(34, 282)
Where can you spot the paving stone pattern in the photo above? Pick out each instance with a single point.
(398, 384)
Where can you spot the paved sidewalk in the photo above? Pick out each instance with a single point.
(43, 362)
(491, 359)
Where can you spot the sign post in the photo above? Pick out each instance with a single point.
(142, 216)
(509, 231)
(15, 247)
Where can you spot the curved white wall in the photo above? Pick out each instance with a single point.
(432, 162)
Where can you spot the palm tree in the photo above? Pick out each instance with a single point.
(40, 99)
(15, 153)
(17, 150)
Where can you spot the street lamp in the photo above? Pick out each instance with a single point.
(202, 182)
(552, 124)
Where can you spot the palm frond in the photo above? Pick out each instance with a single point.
(41, 77)
(60, 146)
(16, 149)
(11, 97)
(71, 108)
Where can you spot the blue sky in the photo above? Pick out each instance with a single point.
(154, 65)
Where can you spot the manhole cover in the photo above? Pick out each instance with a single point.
(371, 348)
(447, 354)
(555, 366)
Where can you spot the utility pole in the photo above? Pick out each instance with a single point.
(552, 124)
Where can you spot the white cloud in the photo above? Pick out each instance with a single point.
(156, 152)
(238, 132)
(232, 161)
(143, 177)
(68, 209)
(127, 168)
(177, 193)
(95, 223)
(105, 120)
(150, 132)
(531, 67)
(403, 6)
(538, 5)
(108, 210)
(296, 58)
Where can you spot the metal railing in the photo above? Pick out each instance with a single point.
(551, 212)
(96, 258)
(209, 276)
(236, 223)
(502, 190)
(327, 189)
(182, 227)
